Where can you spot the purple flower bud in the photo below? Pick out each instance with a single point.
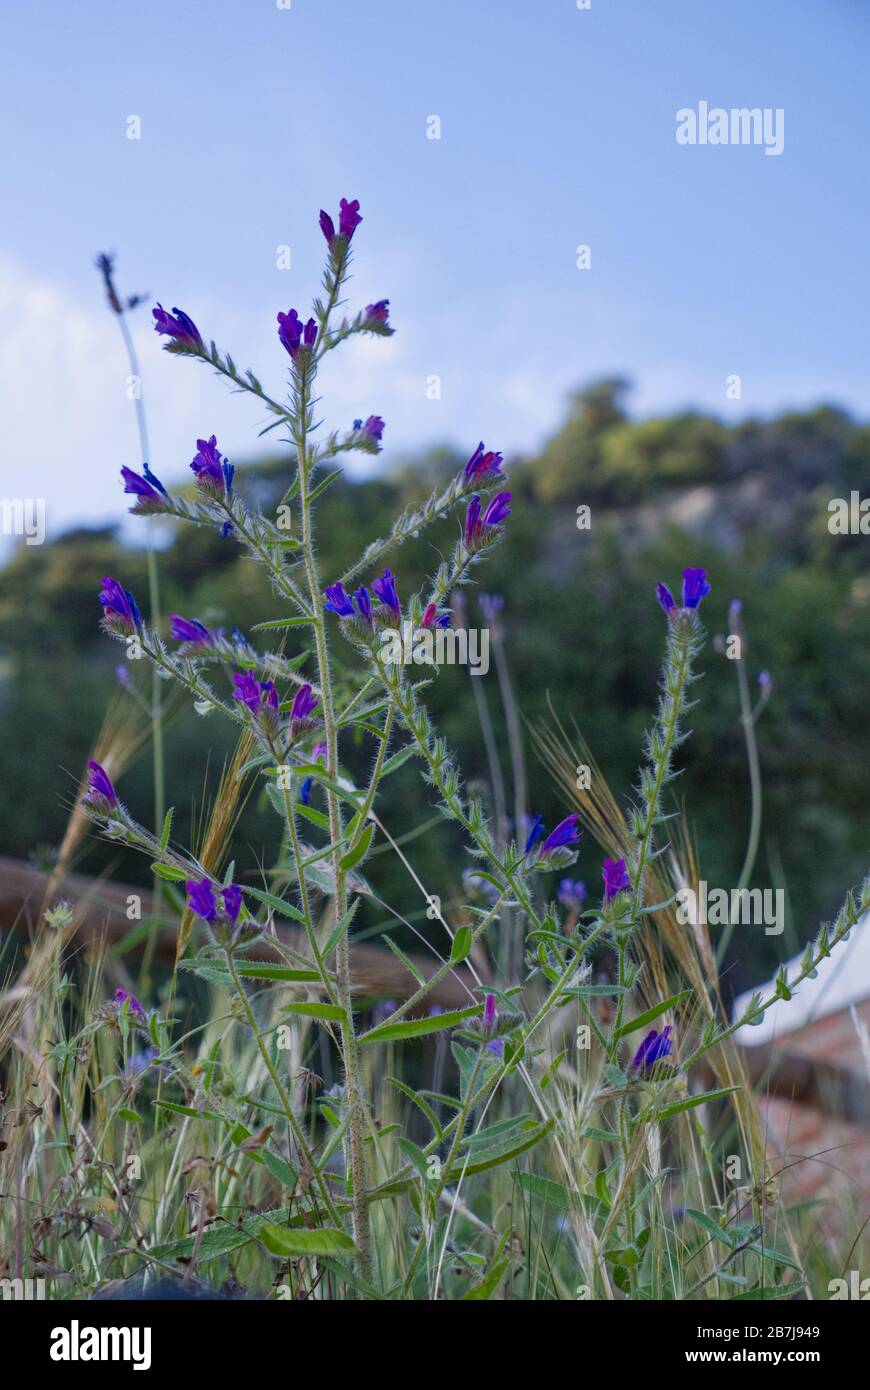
(309, 334)
(616, 879)
(213, 474)
(189, 630)
(122, 996)
(327, 226)
(363, 601)
(338, 601)
(121, 616)
(232, 896)
(150, 493)
(478, 528)
(260, 698)
(304, 705)
(563, 837)
(180, 328)
(379, 312)
(666, 598)
(122, 675)
(483, 464)
(432, 618)
(490, 1013)
(373, 428)
(765, 680)
(654, 1046)
(290, 332)
(348, 218)
(201, 899)
(100, 793)
(695, 587)
(385, 589)
(536, 830)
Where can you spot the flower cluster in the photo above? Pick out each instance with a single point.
(556, 850)
(695, 587)
(481, 527)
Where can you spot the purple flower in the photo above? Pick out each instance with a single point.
(259, 697)
(213, 474)
(189, 630)
(148, 490)
(296, 335)
(666, 598)
(363, 600)
(290, 331)
(100, 793)
(348, 218)
(304, 705)
(695, 587)
(432, 618)
(122, 675)
(654, 1046)
(490, 1013)
(496, 1046)
(232, 896)
(372, 428)
(122, 996)
(483, 464)
(479, 528)
(572, 894)
(616, 879)
(318, 755)
(562, 838)
(379, 312)
(348, 221)
(536, 830)
(338, 601)
(765, 680)
(201, 899)
(385, 590)
(121, 616)
(180, 328)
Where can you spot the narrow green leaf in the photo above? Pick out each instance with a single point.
(418, 1027)
(712, 1227)
(643, 1019)
(462, 943)
(690, 1103)
(281, 622)
(287, 1241)
(406, 960)
(167, 828)
(327, 482)
(326, 1012)
(359, 850)
(169, 872)
(278, 905)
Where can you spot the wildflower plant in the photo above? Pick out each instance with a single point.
(299, 715)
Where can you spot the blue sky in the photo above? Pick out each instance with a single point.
(558, 128)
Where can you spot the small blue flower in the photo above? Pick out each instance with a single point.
(654, 1047)
(536, 830)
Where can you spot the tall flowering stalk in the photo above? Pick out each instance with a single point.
(297, 720)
